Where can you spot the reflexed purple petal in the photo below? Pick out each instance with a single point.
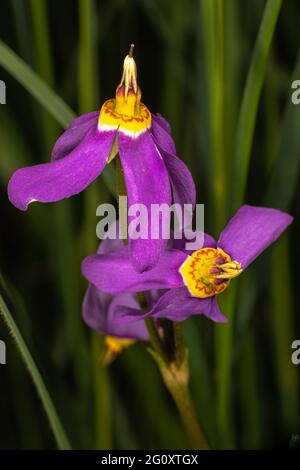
(178, 305)
(101, 312)
(78, 121)
(159, 119)
(162, 136)
(50, 182)
(147, 183)
(73, 135)
(251, 231)
(183, 186)
(114, 273)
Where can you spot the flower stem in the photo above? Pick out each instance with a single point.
(54, 420)
(182, 397)
(178, 340)
(154, 336)
(176, 379)
(174, 371)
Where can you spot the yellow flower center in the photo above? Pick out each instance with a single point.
(208, 272)
(126, 111)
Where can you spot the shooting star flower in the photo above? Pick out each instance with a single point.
(193, 279)
(125, 126)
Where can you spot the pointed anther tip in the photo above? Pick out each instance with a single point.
(132, 46)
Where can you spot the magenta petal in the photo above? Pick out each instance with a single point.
(251, 231)
(83, 118)
(183, 186)
(162, 122)
(102, 313)
(50, 182)
(147, 183)
(74, 134)
(114, 273)
(178, 305)
(162, 136)
(182, 183)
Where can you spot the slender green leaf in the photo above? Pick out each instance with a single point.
(56, 426)
(213, 34)
(283, 327)
(35, 85)
(252, 92)
(285, 169)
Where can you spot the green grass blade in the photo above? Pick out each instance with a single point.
(283, 326)
(252, 92)
(245, 131)
(285, 170)
(248, 393)
(43, 61)
(44, 95)
(213, 35)
(201, 378)
(35, 85)
(224, 356)
(88, 83)
(22, 30)
(56, 426)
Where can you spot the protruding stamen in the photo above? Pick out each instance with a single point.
(228, 270)
(129, 77)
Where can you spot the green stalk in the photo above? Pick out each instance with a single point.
(173, 94)
(249, 398)
(43, 59)
(175, 375)
(282, 322)
(88, 92)
(214, 47)
(22, 30)
(88, 83)
(251, 96)
(154, 336)
(223, 357)
(56, 426)
(245, 131)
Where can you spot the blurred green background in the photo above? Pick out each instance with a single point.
(220, 71)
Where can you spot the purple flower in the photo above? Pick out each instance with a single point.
(192, 279)
(102, 312)
(125, 126)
